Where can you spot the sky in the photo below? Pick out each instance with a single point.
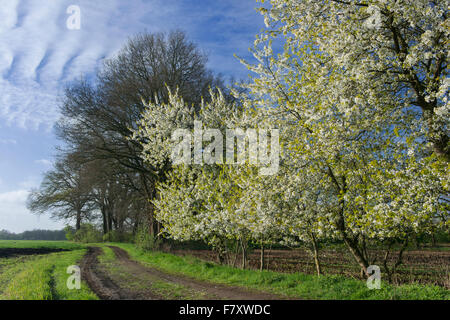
(39, 55)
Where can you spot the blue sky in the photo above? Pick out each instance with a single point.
(38, 55)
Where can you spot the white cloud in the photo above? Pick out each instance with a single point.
(15, 217)
(16, 197)
(30, 182)
(44, 162)
(39, 54)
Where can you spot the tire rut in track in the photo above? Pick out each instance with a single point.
(99, 282)
(108, 288)
(212, 291)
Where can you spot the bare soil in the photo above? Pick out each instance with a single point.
(419, 266)
(15, 252)
(131, 280)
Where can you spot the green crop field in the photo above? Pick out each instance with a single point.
(40, 277)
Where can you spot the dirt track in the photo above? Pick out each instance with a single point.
(131, 280)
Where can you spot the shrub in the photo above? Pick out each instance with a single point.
(70, 233)
(88, 233)
(145, 240)
(118, 236)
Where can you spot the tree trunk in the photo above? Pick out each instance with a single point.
(135, 227)
(115, 223)
(439, 138)
(244, 254)
(352, 245)
(261, 264)
(105, 227)
(150, 194)
(268, 257)
(391, 273)
(315, 252)
(78, 223)
(356, 253)
(221, 256)
(417, 241)
(236, 254)
(110, 222)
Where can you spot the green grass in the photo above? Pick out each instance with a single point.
(172, 291)
(292, 285)
(107, 257)
(9, 268)
(41, 277)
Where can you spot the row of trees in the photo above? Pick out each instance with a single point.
(34, 235)
(359, 93)
(99, 175)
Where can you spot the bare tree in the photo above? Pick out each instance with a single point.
(97, 119)
(64, 193)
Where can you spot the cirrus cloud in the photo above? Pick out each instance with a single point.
(39, 54)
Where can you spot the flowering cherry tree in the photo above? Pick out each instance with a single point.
(392, 54)
(361, 90)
